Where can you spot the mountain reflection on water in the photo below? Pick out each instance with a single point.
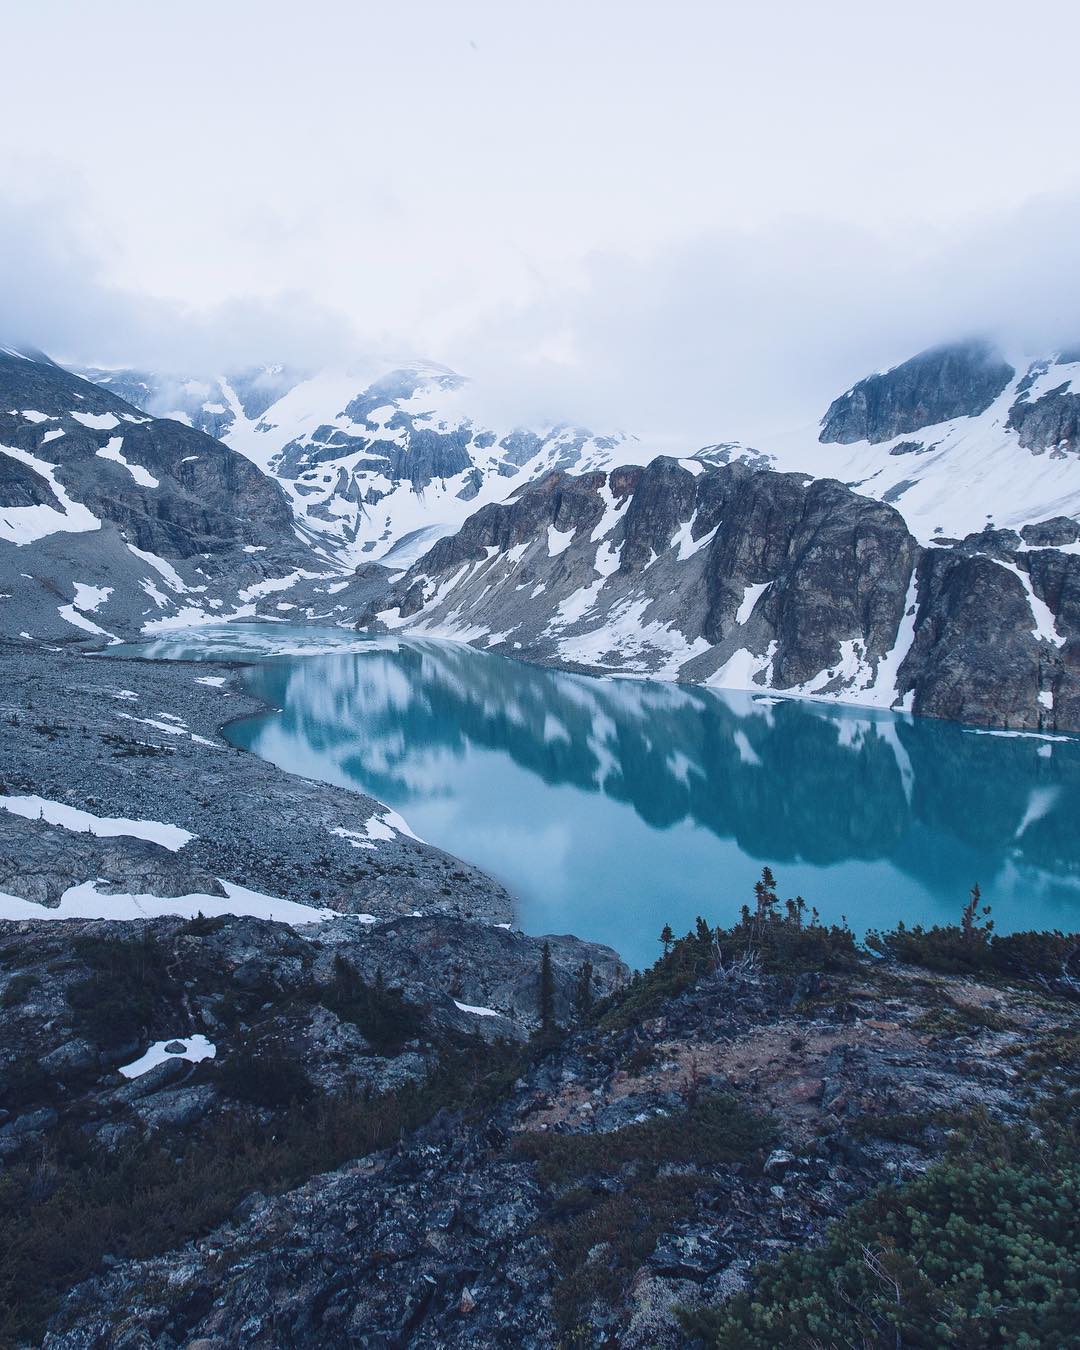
(613, 806)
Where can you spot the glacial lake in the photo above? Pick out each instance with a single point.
(610, 807)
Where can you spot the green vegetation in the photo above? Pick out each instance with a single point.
(978, 1252)
(777, 939)
(599, 1235)
(973, 948)
(264, 1077)
(950, 1018)
(63, 1208)
(117, 1001)
(23, 1081)
(583, 990)
(546, 996)
(384, 1016)
(17, 988)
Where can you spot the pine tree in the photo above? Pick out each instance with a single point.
(765, 895)
(583, 994)
(667, 937)
(976, 924)
(547, 991)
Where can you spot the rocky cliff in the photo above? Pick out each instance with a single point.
(957, 380)
(111, 520)
(373, 460)
(746, 578)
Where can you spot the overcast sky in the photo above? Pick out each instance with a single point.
(689, 219)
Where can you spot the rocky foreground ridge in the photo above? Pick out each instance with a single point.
(614, 1181)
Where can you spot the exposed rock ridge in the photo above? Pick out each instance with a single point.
(747, 578)
(955, 380)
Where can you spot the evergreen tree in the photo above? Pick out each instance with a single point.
(667, 937)
(765, 895)
(976, 924)
(583, 994)
(547, 991)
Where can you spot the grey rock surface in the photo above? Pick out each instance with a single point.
(750, 578)
(956, 380)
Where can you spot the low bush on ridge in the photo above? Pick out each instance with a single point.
(979, 1251)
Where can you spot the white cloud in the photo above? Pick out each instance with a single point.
(696, 222)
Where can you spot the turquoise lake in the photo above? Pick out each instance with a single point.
(610, 807)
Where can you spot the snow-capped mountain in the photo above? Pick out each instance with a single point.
(920, 549)
(113, 522)
(377, 464)
(959, 438)
(721, 569)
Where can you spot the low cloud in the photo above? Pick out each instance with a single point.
(734, 335)
(722, 336)
(52, 297)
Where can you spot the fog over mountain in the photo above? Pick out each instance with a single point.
(698, 239)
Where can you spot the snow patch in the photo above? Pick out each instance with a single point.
(195, 1048)
(751, 595)
(96, 421)
(72, 818)
(25, 524)
(472, 1008)
(558, 541)
(142, 476)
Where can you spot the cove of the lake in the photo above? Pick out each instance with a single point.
(610, 807)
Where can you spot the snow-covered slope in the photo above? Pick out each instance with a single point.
(380, 460)
(113, 522)
(378, 463)
(1008, 456)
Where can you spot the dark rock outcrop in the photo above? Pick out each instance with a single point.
(753, 578)
(1052, 422)
(1053, 533)
(972, 659)
(957, 380)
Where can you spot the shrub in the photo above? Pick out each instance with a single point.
(977, 1252)
(599, 1235)
(204, 925)
(384, 1016)
(270, 1078)
(714, 1130)
(17, 988)
(117, 1001)
(1047, 959)
(780, 939)
(23, 1081)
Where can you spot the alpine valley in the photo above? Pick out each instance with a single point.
(277, 1072)
(918, 550)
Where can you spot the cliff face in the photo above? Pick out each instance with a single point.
(958, 380)
(110, 519)
(741, 577)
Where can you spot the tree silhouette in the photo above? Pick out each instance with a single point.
(547, 990)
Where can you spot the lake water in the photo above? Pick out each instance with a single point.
(610, 807)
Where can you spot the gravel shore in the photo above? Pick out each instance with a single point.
(126, 737)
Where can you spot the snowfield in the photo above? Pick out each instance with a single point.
(106, 827)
